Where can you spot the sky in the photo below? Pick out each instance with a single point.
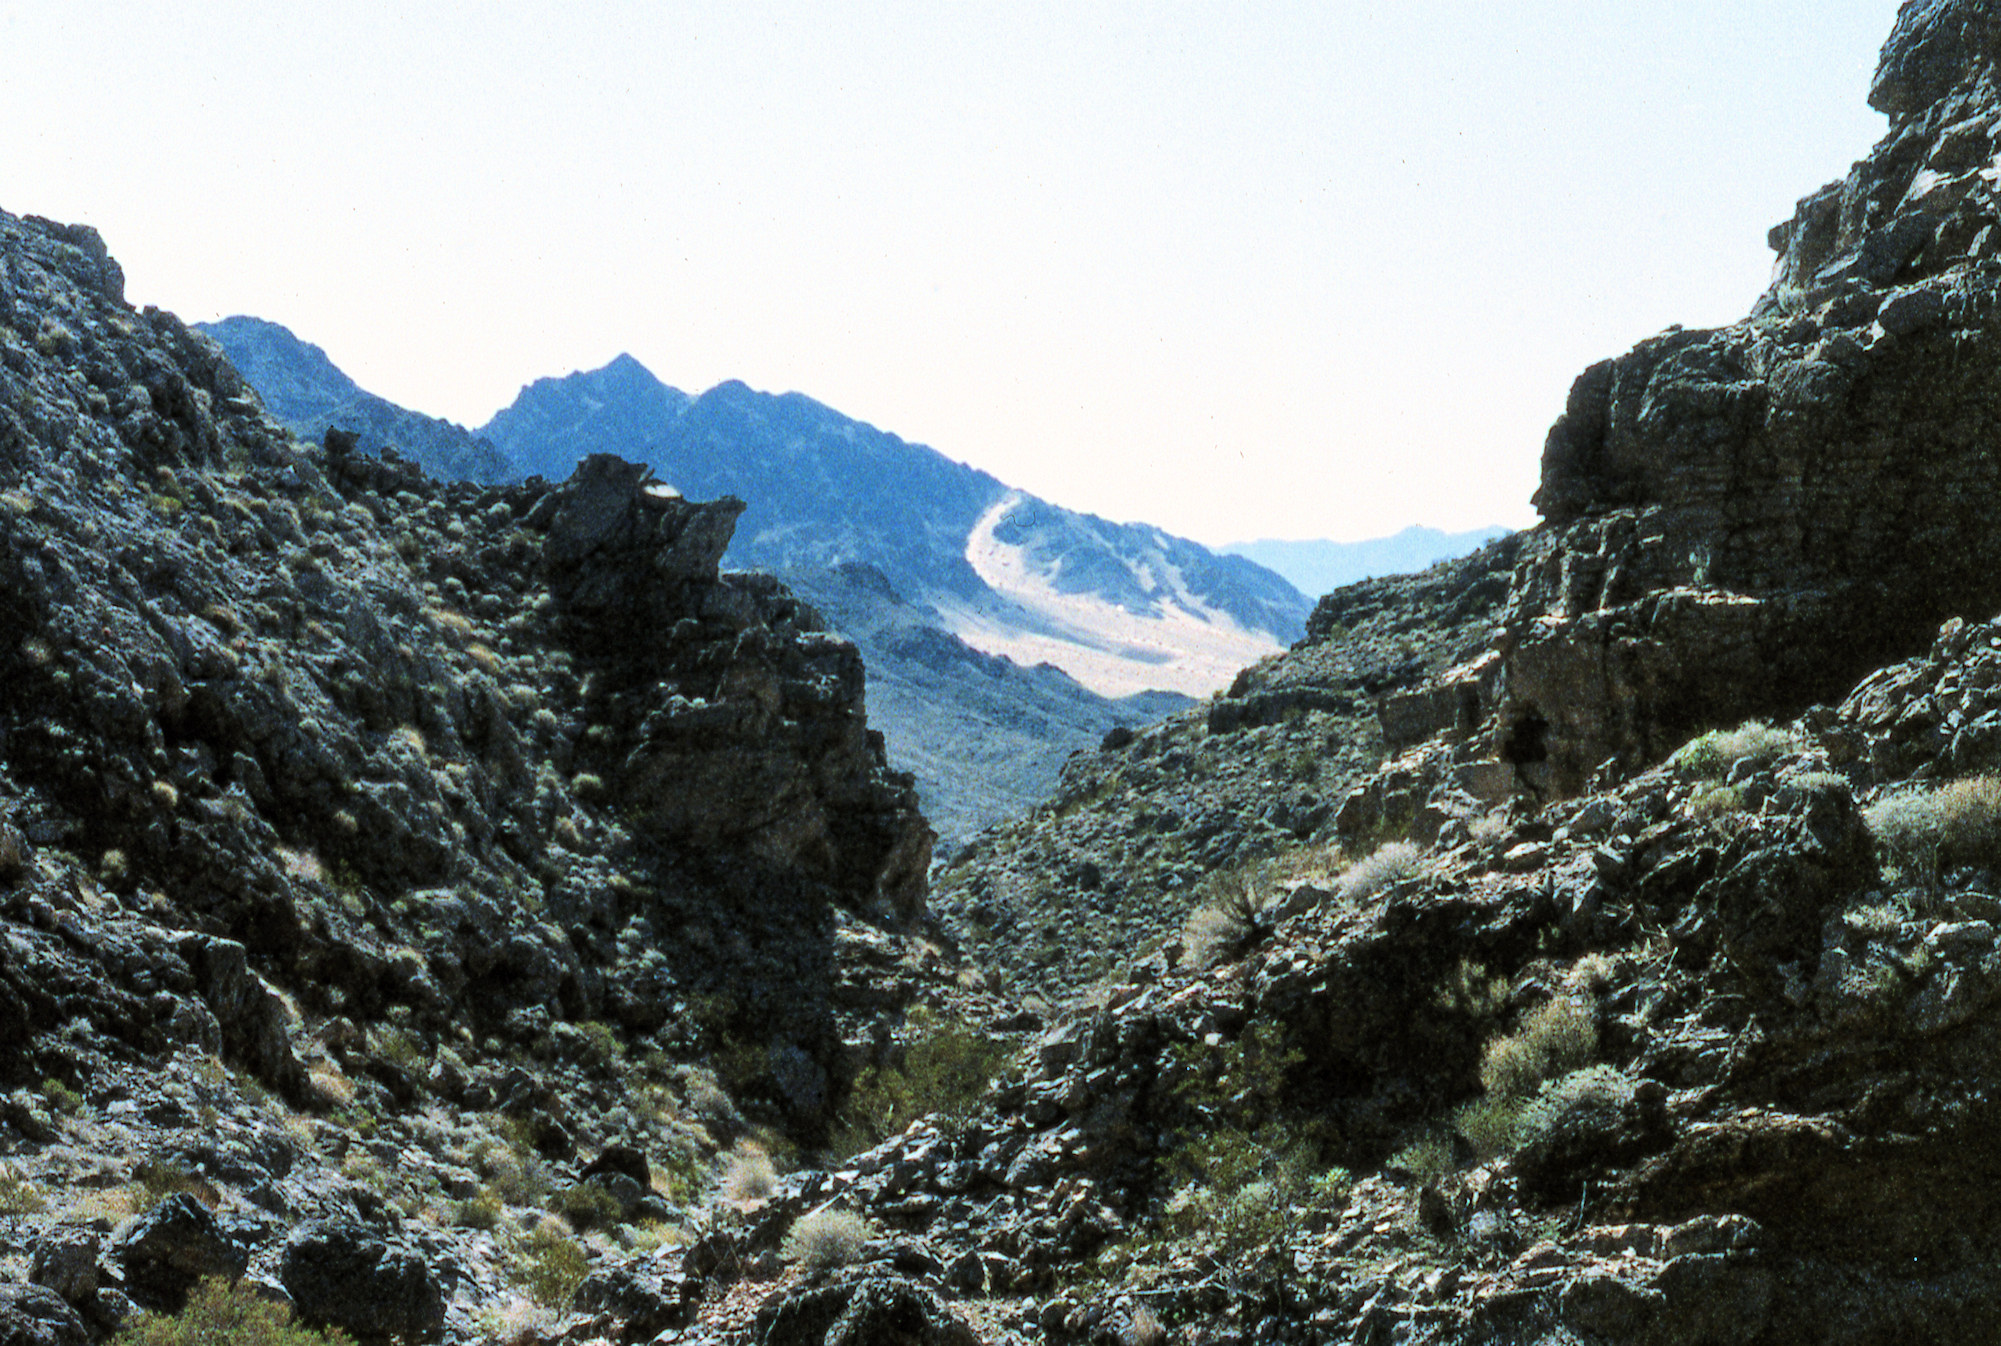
(1239, 270)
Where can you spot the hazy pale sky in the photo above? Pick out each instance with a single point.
(1240, 270)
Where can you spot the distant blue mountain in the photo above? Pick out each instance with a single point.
(1320, 567)
(304, 389)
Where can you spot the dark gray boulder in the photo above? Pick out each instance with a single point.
(342, 1273)
(34, 1315)
(166, 1250)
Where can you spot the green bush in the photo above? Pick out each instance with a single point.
(161, 1178)
(1557, 1037)
(483, 1211)
(944, 1073)
(1591, 1087)
(62, 1098)
(1712, 803)
(548, 1265)
(222, 1313)
(1711, 756)
(1490, 1124)
(826, 1239)
(587, 1205)
(1427, 1158)
(1241, 1190)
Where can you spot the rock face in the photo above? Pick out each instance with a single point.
(1745, 521)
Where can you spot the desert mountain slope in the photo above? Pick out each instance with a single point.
(985, 737)
(456, 830)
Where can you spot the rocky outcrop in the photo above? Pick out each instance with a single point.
(1745, 521)
(370, 843)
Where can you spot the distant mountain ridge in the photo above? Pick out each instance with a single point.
(305, 390)
(1122, 607)
(1319, 567)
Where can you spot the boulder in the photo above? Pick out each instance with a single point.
(166, 1250)
(343, 1273)
(34, 1315)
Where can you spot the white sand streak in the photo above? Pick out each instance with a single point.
(1186, 647)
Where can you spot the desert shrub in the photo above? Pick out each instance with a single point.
(1426, 1158)
(19, 1196)
(484, 1210)
(1144, 1328)
(548, 1265)
(1470, 989)
(599, 1043)
(825, 1239)
(709, 1101)
(1243, 1168)
(1593, 1086)
(1557, 1037)
(1240, 1190)
(1711, 756)
(1390, 863)
(516, 1175)
(1226, 919)
(749, 1176)
(1922, 833)
(1489, 1124)
(1714, 802)
(944, 1073)
(62, 1098)
(225, 1313)
(587, 1205)
(159, 1179)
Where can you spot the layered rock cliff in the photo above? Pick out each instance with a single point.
(1744, 521)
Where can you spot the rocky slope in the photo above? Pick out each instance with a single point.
(1143, 830)
(1685, 1042)
(1746, 520)
(370, 844)
(1631, 1032)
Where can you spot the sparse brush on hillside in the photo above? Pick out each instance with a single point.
(1712, 755)
(1390, 863)
(1923, 833)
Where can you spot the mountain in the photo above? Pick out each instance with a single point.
(303, 389)
(1114, 604)
(340, 804)
(1315, 567)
